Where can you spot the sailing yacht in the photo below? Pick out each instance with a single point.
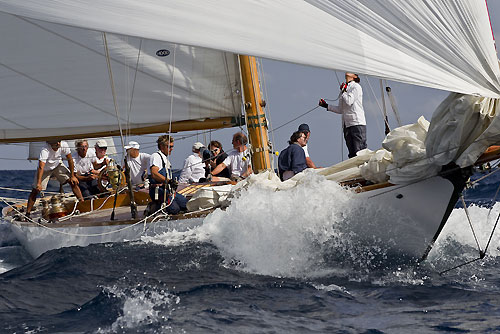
(71, 70)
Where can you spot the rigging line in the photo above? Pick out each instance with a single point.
(491, 235)
(133, 86)
(470, 222)
(111, 81)
(379, 107)
(57, 90)
(171, 108)
(228, 78)
(483, 177)
(460, 265)
(296, 118)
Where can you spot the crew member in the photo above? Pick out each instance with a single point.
(162, 187)
(292, 160)
(353, 115)
(50, 164)
(194, 168)
(237, 161)
(138, 163)
(304, 128)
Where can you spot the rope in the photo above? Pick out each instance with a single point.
(470, 222)
(112, 83)
(144, 220)
(379, 106)
(171, 108)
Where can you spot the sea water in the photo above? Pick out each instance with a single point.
(284, 263)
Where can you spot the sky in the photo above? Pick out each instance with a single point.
(291, 91)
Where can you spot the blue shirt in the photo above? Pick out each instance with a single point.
(292, 158)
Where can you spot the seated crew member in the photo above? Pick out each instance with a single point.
(193, 169)
(160, 181)
(85, 173)
(50, 164)
(292, 160)
(215, 158)
(101, 160)
(138, 163)
(237, 161)
(304, 128)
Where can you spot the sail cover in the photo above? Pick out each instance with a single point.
(54, 75)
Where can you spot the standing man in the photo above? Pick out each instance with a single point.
(162, 187)
(238, 160)
(353, 115)
(50, 164)
(194, 168)
(304, 128)
(138, 163)
(84, 170)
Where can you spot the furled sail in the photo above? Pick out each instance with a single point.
(444, 44)
(54, 81)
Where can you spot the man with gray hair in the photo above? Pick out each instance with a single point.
(238, 159)
(84, 169)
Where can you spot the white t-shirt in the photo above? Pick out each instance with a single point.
(306, 151)
(84, 165)
(99, 161)
(351, 106)
(138, 166)
(53, 158)
(235, 164)
(193, 169)
(156, 160)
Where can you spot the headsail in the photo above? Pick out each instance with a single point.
(52, 54)
(440, 44)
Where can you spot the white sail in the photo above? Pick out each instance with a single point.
(445, 44)
(55, 81)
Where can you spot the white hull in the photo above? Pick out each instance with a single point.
(409, 218)
(37, 240)
(406, 219)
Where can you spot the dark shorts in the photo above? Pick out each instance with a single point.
(355, 139)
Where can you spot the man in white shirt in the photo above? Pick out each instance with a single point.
(138, 163)
(84, 170)
(353, 115)
(238, 160)
(304, 128)
(162, 187)
(100, 160)
(50, 164)
(194, 168)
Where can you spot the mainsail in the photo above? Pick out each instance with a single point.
(55, 80)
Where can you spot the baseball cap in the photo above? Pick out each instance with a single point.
(304, 127)
(101, 143)
(132, 144)
(197, 145)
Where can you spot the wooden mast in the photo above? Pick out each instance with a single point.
(256, 118)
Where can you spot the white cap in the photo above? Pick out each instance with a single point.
(101, 143)
(197, 145)
(132, 144)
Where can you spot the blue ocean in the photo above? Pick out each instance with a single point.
(265, 273)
